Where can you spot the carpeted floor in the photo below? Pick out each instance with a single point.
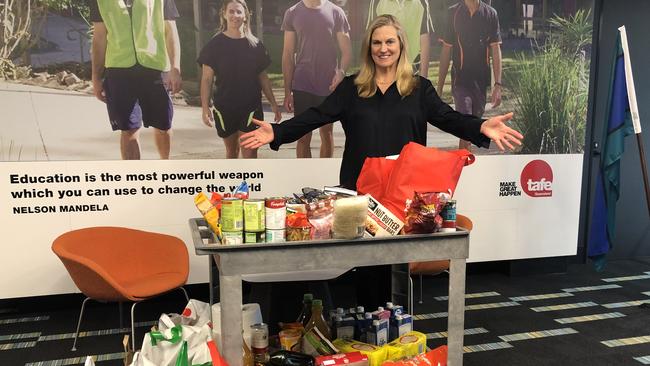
(577, 318)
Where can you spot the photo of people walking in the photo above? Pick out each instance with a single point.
(222, 63)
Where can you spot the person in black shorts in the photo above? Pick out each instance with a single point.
(135, 65)
(238, 60)
(472, 34)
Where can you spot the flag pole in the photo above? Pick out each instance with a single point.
(644, 169)
(634, 112)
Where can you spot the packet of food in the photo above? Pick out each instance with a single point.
(216, 199)
(410, 344)
(343, 359)
(240, 192)
(435, 357)
(297, 227)
(321, 217)
(376, 354)
(422, 213)
(210, 214)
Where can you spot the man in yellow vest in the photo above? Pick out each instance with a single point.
(135, 67)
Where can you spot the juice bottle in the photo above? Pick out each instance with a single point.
(305, 313)
(317, 320)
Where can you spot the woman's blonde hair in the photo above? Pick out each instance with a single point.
(248, 34)
(365, 80)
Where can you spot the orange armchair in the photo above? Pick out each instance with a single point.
(119, 264)
(433, 267)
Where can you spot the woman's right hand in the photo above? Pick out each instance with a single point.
(208, 117)
(261, 136)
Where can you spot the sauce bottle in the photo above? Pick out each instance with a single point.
(305, 313)
(317, 320)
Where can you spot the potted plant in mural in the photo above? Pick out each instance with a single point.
(551, 88)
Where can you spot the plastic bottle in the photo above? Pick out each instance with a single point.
(305, 313)
(317, 320)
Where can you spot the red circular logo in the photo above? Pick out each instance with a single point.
(537, 179)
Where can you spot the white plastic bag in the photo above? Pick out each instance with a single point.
(196, 313)
(191, 329)
(164, 348)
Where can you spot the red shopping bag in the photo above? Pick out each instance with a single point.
(374, 176)
(422, 169)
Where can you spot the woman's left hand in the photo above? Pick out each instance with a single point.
(495, 128)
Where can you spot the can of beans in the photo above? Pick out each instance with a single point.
(254, 219)
(448, 215)
(275, 236)
(254, 237)
(276, 213)
(232, 214)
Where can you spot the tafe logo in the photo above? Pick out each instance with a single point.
(537, 179)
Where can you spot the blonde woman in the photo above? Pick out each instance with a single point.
(237, 59)
(383, 107)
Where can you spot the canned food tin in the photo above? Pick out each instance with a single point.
(275, 236)
(232, 237)
(232, 214)
(260, 343)
(254, 236)
(448, 215)
(259, 335)
(254, 215)
(276, 213)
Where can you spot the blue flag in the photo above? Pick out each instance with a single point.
(619, 125)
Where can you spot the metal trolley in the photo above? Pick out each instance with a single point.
(233, 261)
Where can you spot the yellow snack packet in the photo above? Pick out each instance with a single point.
(209, 212)
(376, 354)
(410, 344)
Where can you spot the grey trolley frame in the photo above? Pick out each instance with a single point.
(233, 261)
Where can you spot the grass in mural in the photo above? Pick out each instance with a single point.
(551, 89)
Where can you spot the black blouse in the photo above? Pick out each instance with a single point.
(380, 125)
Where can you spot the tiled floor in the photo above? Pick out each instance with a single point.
(578, 318)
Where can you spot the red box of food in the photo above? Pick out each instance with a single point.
(348, 359)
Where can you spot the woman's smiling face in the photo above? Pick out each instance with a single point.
(235, 15)
(385, 47)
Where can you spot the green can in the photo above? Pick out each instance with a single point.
(254, 216)
(232, 214)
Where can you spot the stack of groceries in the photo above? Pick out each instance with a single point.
(331, 213)
(344, 337)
